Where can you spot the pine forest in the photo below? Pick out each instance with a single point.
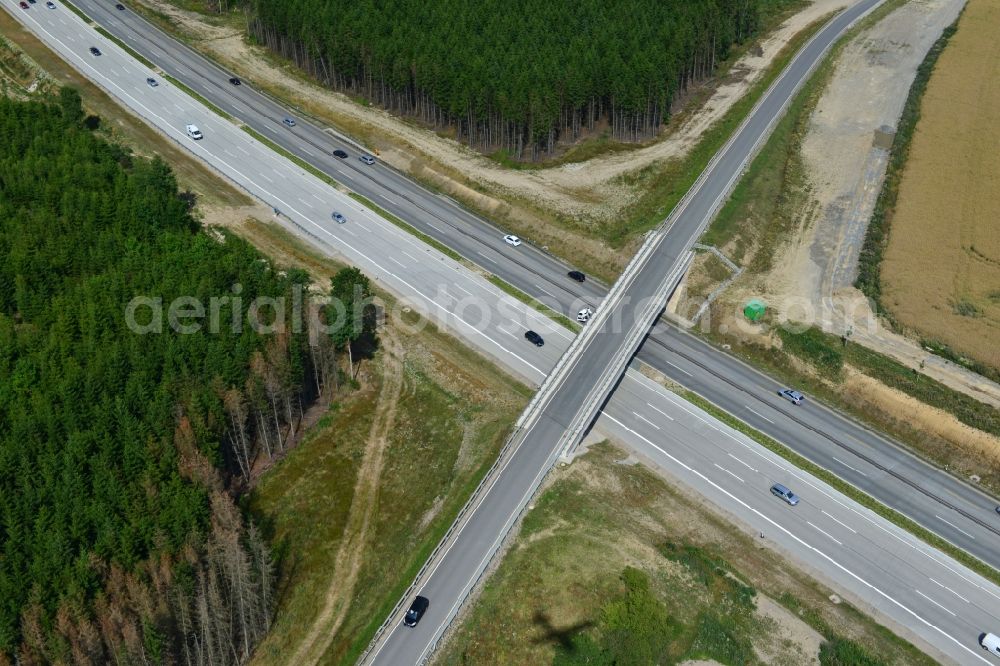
(513, 75)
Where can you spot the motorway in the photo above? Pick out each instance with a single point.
(939, 502)
(411, 267)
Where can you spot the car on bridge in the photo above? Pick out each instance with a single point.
(338, 218)
(235, 81)
(577, 276)
(367, 159)
(990, 643)
(151, 82)
(95, 51)
(417, 610)
(534, 338)
(193, 132)
(584, 315)
(290, 122)
(510, 239)
(342, 154)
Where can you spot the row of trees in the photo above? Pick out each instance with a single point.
(120, 453)
(512, 74)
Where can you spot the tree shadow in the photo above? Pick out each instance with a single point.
(93, 123)
(551, 634)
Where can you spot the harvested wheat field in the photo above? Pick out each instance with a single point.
(941, 273)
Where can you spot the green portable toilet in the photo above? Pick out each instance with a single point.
(754, 310)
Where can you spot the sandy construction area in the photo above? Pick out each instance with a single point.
(941, 273)
(845, 160)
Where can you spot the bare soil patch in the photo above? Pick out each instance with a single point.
(941, 272)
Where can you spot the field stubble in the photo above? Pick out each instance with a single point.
(941, 271)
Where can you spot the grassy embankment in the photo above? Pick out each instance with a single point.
(612, 563)
(453, 415)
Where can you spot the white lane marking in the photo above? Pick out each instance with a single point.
(679, 368)
(392, 201)
(348, 232)
(661, 411)
(410, 256)
(461, 288)
(307, 151)
(814, 549)
(270, 129)
(485, 257)
(750, 409)
(949, 589)
(935, 603)
(848, 466)
(303, 201)
(821, 531)
(948, 522)
(179, 108)
(242, 150)
(729, 473)
(317, 197)
(435, 227)
(538, 286)
(396, 262)
(266, 178)
(741, 462)
(646, 420)
(844, 525)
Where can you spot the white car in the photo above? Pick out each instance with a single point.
(193, 131)
(584, 315)
(512, 240)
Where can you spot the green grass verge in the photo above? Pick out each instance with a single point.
(834, 481)
(558, 317)
(405, 226)
(76, 10)
(125, 47)
(289, 156)
(828, 355)
(216, 110)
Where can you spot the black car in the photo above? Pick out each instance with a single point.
(417, 610)
(576, 276)
(534, 338)
(120, 7)
(95, 51)
(340, 153)
(235, 81)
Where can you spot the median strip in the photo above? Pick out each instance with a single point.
(837, 483)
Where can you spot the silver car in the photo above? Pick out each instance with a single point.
(784, 493)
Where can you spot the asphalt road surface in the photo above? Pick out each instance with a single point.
(941, 503)
(410, 269)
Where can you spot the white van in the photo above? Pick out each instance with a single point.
(990, 643)
(193, 132)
